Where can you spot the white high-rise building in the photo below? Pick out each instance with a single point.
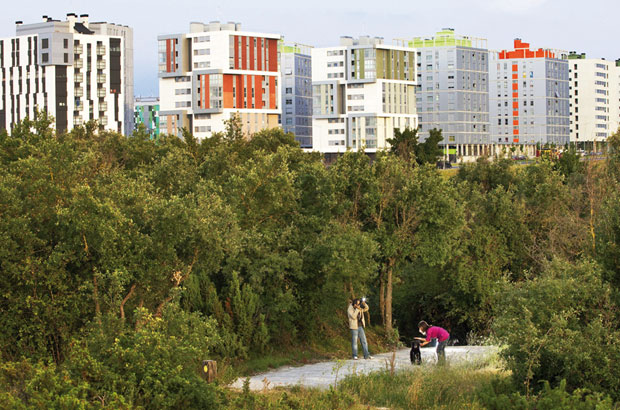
(362, 91)
(595, 99)
(214, 72)
(75, 70)
(453, 91)
(529, 97)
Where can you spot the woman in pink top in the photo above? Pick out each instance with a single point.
(435, 332)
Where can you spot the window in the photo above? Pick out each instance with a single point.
(66, 57)
(45, 57)
(45, 43)
(65, 43)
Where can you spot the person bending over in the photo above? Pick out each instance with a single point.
(437, 333)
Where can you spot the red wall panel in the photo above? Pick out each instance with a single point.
(236, 52)
(251, 41)
(244, 53)
(273, 55)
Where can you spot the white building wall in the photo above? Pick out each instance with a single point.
(594, 99)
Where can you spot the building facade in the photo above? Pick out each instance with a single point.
(214, 72)
(529, 96)
(453, 91)
(363, 91)
(594, 99)
(296, 71)
(74, 70)
(146, 112)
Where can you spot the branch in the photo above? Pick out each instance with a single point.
(129, 295)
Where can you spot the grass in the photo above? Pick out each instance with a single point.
(426, 387)
(332, 346)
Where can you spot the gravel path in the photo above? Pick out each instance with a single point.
(322, 375)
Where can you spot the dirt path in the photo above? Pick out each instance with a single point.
(322, 375)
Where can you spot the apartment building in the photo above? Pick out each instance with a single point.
(594, 99)
(296, 71)
(453, 91)
(216, 71)
(146, 112)
(74, 70)
(363, 90)
(529, 97)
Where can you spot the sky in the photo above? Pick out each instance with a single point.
(584, 26)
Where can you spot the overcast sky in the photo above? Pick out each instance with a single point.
(590, 26)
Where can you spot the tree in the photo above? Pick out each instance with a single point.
(404, 144)
(429, 151)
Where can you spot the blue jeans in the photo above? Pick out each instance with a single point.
(355, 333)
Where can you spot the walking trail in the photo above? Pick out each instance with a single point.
(322, 375)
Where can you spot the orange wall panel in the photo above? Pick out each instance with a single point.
(205, 88)
(228, 90)
(258, 91)
(515, 105)
(272, 90)
(239, 80)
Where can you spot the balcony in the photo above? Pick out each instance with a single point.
(101, 78)
(103, 120)
(78, 78)
(103, 106)
(78, 63)
(79, 49)
(79, 92)
(100, 50)
(78, 121)
(101, 64)
(101, 92)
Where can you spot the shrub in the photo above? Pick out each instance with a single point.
(562, 326)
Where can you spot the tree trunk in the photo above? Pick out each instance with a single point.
(96, 296)
(382, 296)
(388, 297)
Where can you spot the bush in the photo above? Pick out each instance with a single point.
(155, 365)
(562, 326)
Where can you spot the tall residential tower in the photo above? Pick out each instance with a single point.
(296, 70)
(529, 96)
(453, 91)
(214, 72)
(363, 90)
(595, 99)
(74, 70)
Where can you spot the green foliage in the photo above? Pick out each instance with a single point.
(562, 325)
(405, 145)
(125, 261)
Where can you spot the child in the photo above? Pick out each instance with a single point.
(435, 332)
